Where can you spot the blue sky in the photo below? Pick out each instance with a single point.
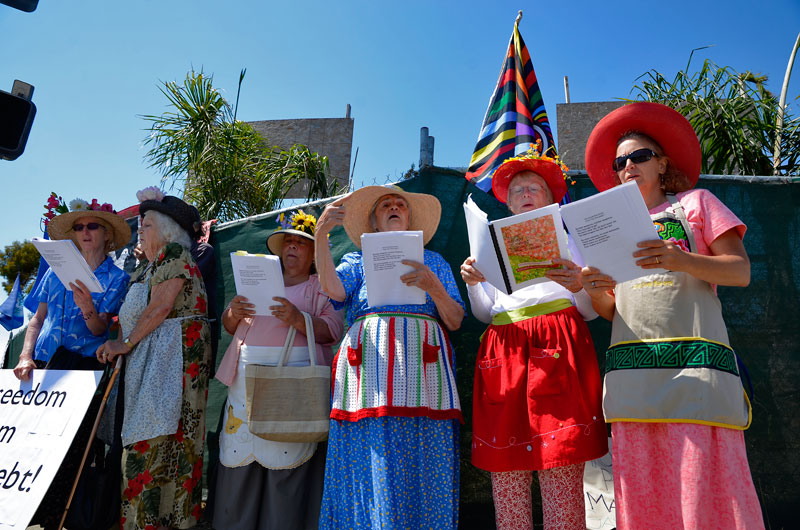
(96, 66)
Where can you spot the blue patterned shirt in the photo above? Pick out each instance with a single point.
(351, 273)
(64, 324)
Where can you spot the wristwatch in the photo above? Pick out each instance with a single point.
(128, 343)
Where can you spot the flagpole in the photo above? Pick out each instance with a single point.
(519, 17)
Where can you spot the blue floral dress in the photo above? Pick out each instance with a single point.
(393, 446)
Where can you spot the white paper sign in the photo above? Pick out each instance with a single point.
(606, 228)
(67, 263)
(382, 253)
(258, 277)
(38, 420)
(598, 487)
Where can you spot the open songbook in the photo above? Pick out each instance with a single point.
(516, 251)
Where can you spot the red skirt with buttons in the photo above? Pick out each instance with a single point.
(537, 401)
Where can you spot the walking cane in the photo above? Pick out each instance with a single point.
(114, 374)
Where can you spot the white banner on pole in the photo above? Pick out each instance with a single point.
(38, 420)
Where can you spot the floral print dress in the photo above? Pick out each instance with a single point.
(162, 483)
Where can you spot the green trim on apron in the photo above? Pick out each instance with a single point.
(689, 352)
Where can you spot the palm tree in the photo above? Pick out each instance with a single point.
(734, 115)
(226, 168)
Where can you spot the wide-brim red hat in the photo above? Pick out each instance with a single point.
(666, 126)
(549, 171)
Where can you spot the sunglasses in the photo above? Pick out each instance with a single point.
(637, 157)
(91, 226)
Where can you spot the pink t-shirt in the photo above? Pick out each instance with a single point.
(707, 216)
(269, 331)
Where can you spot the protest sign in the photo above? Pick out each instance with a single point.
(38, 420)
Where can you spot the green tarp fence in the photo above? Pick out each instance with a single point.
(762, 322)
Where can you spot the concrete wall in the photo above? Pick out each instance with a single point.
(575, 122)
(332, 137)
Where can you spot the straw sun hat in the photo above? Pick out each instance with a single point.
(60, 226)
(298, 223)
(666, 126)
(425, 211)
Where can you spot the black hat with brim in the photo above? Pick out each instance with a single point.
(179, 211)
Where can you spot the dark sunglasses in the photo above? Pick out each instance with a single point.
(91, 226)
(637, 157)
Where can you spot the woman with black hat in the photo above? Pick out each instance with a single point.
(536, 399)
(166, 337)
(672, 391)
(262, 483)
(69, 324)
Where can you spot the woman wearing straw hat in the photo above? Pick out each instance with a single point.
(261, 483)
(165, 337)
(69, 324)
(536, 401)
(672, 389)
(393, 446)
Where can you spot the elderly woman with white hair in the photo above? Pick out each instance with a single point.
(166, 336)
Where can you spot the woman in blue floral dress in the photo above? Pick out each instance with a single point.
(393, 446)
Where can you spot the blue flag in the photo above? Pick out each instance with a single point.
(11, 316)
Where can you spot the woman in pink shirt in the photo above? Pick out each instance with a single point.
(265, 484)
(672, 389)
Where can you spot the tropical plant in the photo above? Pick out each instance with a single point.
(733, 114)
(225, 167)
(18, 257)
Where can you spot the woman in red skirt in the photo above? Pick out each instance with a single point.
(537, 394)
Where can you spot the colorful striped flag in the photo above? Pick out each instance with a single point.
(516, 116)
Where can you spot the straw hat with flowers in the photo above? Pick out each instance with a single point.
(60, 217)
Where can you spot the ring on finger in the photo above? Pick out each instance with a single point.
(593, 284)
(658, 260)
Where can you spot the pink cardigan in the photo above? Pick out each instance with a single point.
(269, 331)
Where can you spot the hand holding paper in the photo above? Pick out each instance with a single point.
(386, 261)
(67, 263)
(258, 277)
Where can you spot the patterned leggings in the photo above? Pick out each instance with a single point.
(562, 498)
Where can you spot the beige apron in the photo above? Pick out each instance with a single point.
(669, 359)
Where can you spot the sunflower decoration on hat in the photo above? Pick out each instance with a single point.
(60, 216)
(298, 223)
(550, 168)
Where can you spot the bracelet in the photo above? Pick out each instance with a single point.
(91, 314)
(128, 343)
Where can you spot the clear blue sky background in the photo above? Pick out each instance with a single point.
(96, 66)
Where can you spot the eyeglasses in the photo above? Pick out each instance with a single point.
(518, 190)
(91, 226)
(637, 157)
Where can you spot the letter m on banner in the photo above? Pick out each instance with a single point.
(516, 116)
